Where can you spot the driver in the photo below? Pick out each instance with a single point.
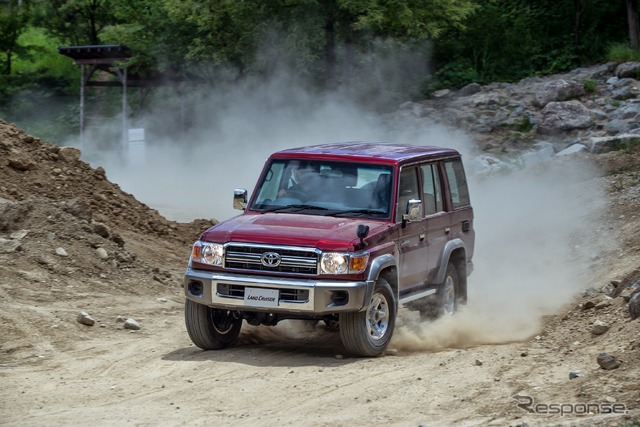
(304, 177)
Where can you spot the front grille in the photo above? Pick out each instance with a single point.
(292, 260)
(286, 295)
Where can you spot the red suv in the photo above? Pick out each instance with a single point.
(341, 233)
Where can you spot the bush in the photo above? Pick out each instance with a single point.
(621, 52)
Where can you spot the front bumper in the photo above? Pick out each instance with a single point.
(299, 296)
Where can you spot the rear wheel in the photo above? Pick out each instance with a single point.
(448, 292)
(445, 302)
(211, 328)
(368, 333)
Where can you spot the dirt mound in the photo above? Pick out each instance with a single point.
(31, 168)
(68, 236)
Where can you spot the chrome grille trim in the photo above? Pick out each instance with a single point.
(294, 259)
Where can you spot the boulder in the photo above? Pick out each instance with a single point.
(557, 91)
(559, 117)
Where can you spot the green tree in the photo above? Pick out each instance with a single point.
(76, 22)
(13, 22)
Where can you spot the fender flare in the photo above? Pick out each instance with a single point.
(451, 246)
(377, 266)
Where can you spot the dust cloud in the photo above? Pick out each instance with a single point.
(535, 250)
(531, 223)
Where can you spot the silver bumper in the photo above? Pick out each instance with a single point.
(304, 296)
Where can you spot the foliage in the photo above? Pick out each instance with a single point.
(330, 44)
(509, 40)
(621, 52)
(589, 85)
(13, 22)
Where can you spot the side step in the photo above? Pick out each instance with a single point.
(416, 295)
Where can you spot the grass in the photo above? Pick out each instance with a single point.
(621, 52)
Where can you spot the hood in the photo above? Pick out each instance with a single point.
(322, 232)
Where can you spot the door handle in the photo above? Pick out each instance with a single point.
(447, 230)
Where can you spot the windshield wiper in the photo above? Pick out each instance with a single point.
(293, 208)
(360, 212)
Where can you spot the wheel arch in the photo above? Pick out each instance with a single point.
(454, 252)
(385, 266)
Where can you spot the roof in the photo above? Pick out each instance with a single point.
(382, 152)
(96, 54)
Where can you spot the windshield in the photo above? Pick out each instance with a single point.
(325, 188)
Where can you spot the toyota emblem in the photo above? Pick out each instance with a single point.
(270, 259)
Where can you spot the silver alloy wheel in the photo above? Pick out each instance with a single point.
(378, 316)
(448, 297)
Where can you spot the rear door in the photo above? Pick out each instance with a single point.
(437, 220)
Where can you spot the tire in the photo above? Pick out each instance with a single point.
(448, 292)
(368, 333)
(210, 328)
(445, 302)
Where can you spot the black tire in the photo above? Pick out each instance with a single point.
(448, 292)
(368, 333)
(445, 302)
(211, 328)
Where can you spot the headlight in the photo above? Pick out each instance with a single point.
(343, 263)
(208, 253)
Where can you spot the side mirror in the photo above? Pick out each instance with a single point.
(362, 232)
(240, 199)
(414, 211)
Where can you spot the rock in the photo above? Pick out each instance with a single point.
(599, 327)
(575, 374)
(9, 246)
(69, 154)
(558, 91)
(85, 319)
(634, 306)
(606, 302)
(469, 89)
(441, 93)
(19, 235)
(559, 117)
(131, 324)
(22, 164)
(100, 173)
(572, 149)
(605, 144)
(101, 229)
(102, 253)
(607, 361)
(121, 319)
(78, 208)
(542, 152)
(478, 362)
(617, 126)
(588, 305)
(61, 252)
(628, 69)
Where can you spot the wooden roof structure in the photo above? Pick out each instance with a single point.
(111, 58)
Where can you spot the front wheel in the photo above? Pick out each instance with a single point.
(368, 333)
(211, 328)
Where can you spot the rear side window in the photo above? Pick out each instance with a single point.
(457, 183)
(432, 197)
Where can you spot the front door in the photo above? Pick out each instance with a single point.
(412, 242)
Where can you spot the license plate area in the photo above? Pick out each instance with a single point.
(260, 297)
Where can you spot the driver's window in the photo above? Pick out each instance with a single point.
(408, 190)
